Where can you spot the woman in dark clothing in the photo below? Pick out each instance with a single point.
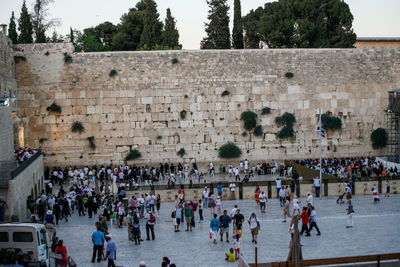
(66, 209)
(56, 211)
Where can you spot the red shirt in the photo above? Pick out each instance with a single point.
(304, 217)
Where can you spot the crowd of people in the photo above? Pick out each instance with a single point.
(348, 167)
(22, 154)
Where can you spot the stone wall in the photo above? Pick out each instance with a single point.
(29, 182)
(140, 107)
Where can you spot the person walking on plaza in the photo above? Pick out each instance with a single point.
(350, 212)
(111, 251)
(387, 194)
(282, 195)
(61, 249)
(224, 221)
(286, 211)
(313, 220)
(214, 226)
(263, 201)
(310, 198)
(150, 221)
(317, 185)
(188, 216)
(206, 194)
(254, 227)
(278, 182)
(233, 213)
(232, 187)
(211, 203)
(219, 188)
(98, 241)
(304, 220)
(200, 210)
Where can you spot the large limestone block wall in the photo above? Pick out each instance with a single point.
(140, 107)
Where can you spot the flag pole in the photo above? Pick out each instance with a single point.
(320, 156)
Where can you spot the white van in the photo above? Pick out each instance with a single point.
(24, 243)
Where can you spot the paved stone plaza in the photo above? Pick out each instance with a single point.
(376, 230)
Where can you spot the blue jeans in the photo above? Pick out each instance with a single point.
(205, 203)
(151, 207)
(277, 192)
(317, 189)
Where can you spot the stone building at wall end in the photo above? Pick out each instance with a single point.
(141, 106)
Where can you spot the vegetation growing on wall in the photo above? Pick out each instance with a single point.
(250, 119)
(287, 120)
(42, 140)
(159, 137)
(379, 138)
(229, 151)
(77, 127)
(183, 114)
(330, 122)
(67, 59)
(175, 61)
(258, 131)
(289, 75)
(112, 73)
(225, 93)
(132, 155)
(54, 108)
(92, 144)
(244, 134)
(266, 111)
(181, 152)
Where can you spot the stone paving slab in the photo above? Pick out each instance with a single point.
(376, 230)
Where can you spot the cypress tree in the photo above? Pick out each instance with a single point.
(71, 35)
(217, 29)
(170, 34)
(152, 27)
(25, 26)
(12, 29)
(40, 35)
(237, 32)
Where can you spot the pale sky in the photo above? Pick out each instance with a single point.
(372, 18)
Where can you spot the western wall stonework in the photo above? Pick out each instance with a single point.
(139, 108)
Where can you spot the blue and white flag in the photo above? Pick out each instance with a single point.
(319, 127)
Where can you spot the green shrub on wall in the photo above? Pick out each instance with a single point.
(92, 144)
(67, 59)
(379, 138)
(175, 61)
(266, 111)
(112, 73)
(330, 122)
(229, 151)
(258, 131)
(286, 132)
(250, 119)
(54, 108)
(77, 127)
(181, 152)
(132, 155)
(183, 114)
(287, 120)
(289, 75)
(225, 93)
(244, 134)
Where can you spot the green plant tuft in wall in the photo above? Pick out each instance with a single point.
(225, 93)
(42, 140)
(175, 61)
(258, 131)
(132, 155)
(181, 152)
(92, 144)
(250, 119)
(244, 134)
(159, 137)
(266, 111)
(330, 122)
(379, 138)
(289, 75)
(77, 127)
(183, 114)
(112, 73)
(229, 151)
(67, 59)
(286, 132)
(54, 108)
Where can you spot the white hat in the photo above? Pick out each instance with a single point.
(49, 212)
(142, 264)
(308, 193)
(109, 236)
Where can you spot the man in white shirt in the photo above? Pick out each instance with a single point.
(282, 196)
(278, 182)
(309, 198)
(246, 166)
(237, 177)
(263, 201)
(232, 187)
(233, 213)
(206, 193)
(317, 184)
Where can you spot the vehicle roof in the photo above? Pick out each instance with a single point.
(31, 225)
